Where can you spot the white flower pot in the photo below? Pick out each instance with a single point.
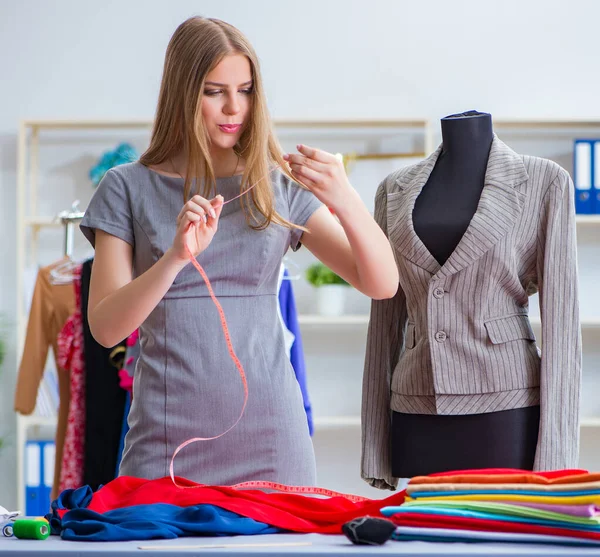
(330, 299)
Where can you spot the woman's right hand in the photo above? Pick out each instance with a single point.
(197, 224)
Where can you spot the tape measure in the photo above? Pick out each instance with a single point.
(302, 490)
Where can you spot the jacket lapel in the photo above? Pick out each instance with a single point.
(400, 205)
(499, 207)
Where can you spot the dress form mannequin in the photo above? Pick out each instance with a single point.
(425, 444)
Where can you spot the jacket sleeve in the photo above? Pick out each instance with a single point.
(384, 342)
(35, 350)
(560, 377)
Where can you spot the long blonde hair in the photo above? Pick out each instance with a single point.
(196, 47)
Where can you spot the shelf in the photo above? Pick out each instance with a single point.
(37, 421)
(99, 124)
(39, 222)
(337, 321)
(327, 422)
(546, 123)
(42, 222)
(336, 421)
(587, 219)
(358, 320)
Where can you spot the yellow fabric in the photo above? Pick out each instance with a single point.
(449, 487)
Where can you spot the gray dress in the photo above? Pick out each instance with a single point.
(185, 383)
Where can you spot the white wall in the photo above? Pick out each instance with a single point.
(320, 59)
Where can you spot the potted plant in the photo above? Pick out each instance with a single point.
(331, 289)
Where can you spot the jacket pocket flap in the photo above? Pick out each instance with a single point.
(512, 327)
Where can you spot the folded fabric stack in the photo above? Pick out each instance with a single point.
(136, 509)
(503, 505)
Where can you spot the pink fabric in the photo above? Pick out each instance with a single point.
(125, 380)
(70, 357)
(132, 338)
(586, 511)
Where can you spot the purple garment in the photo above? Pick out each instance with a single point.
(287, 305)
(584, 511)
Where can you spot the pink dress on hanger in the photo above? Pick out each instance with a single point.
(70, 357)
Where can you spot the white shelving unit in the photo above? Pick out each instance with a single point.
(31, 225)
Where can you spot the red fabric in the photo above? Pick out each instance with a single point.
(457, 523)
(70, 357)
(505, 475)
(298, 513)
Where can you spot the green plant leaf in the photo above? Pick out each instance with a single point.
(319, 274)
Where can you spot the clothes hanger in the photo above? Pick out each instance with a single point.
(63, 272)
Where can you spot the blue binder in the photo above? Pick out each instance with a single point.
(596, 178)
(583, 171)
(33, 477)
(39, 475)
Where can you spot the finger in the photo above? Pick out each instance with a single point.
(305, 175)
(305, 161)
(205, 204)
(218, 203)
(190, 218)
(191, 206)
(316, 154)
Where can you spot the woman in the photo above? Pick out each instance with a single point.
(212, 123)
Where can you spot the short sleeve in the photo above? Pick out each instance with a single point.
(302, 204)
(109, 210)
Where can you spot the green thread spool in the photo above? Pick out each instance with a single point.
(31, 529)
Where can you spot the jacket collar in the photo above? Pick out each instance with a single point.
(499, 206)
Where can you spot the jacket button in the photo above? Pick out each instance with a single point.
(440, 336)
(438, 292)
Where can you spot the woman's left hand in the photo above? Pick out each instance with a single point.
(322, 173)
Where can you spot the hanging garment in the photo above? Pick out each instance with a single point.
(51, 306)
(456, 339)
(126, 373)
(104, 400)
(70, 357)
(293, 338)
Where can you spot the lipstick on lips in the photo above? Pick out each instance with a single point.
(230, 128)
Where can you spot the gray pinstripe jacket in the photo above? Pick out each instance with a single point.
(456, 339)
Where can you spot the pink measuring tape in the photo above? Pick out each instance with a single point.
(252, 484)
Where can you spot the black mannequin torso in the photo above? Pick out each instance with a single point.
(449, 199)
(424, 444)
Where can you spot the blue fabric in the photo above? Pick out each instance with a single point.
(462, 513)
(540, 493)
(68, 499)
(287, 304)
(157, 521)
(124, 430)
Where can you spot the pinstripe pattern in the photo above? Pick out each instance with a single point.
(456, 339)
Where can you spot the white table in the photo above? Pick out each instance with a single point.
(319, 545)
